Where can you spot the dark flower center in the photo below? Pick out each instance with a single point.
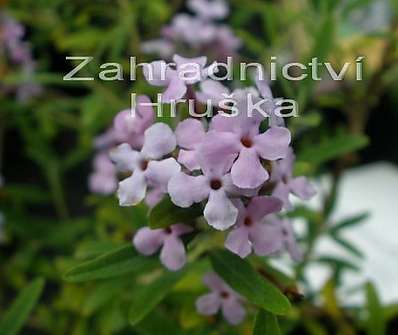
(215, 184)
(224, 294)
(167, 230)
(246, 142)
(144, 165)
(248, 221)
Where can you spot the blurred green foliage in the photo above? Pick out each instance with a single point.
(94, 283)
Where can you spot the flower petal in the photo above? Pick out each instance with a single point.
(262, 206)
(247, 171)
(132, 190)
(154, 196)
(282, 192)
(157, 73)
(219, 212)
(147, 241)
(124, 157)
(217, 152)
(211, 90)
(233, 311)
(102, 183)
(238, 242)
(290, 241)
(222, 123)
(172, 255)
(159, 141)
(208, 304)
(215, 283)
(265, 239)
(235, 191)
(158, 173)
(175, 90)
(209, 10)
(301, 187)
(189, 133)
(145, 113)
(185, 190)
(273, 144)
(180, 61)
(189, 158)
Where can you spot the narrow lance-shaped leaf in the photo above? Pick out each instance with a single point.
(347, 245)
(118, 262)
(375, 322)
(333, 148)
(241, 276)
(266, 324)
(18, 313)
(349, 222)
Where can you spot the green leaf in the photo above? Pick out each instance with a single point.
(166, 213)
(347, 223)
(158, 322)
(338, 263)
(90, 249)
(375, 322)
(266, 324)
(150, 295)
(241, 276)
(101, 295)
(16, 316)
(347, 245)
(119, 262)
(333, 148)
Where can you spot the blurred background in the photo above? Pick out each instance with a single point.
(52, 133)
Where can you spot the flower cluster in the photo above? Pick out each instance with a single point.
(200, 32)
(17, 52)
(237, 168)
(126, 128)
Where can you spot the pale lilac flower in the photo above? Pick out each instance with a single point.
(214, 184)
(286, 184)
(223, 297)
(147, 166)
(209, 9)
(161, 46)
(11, 29)
(182, 27)
(285, 237)
(251, 233)
(19, 53)
(129, 127)
(213, 91)
(103, 179)
(172, 255)
(190, 134)
(240, 135)
(226, 41)
(188, 71)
